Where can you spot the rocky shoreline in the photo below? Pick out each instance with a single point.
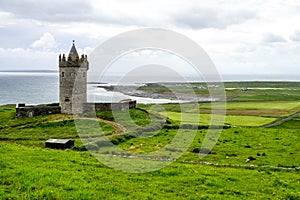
(134, 91)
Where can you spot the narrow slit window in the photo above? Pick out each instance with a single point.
(63, 74)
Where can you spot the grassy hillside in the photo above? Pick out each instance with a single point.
(246, 163)
(37, 173)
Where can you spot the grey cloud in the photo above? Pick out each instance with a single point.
(61, 11)
(295, 36)
(271, 38)
(198, 18)
(20, 35)
(54, 10)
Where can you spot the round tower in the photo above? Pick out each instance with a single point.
(73, 82)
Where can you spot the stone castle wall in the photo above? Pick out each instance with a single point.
(72, 87)
(32, 111)
(126, 105)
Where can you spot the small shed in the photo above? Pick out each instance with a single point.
(59, 143)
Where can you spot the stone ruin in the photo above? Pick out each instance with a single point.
(31, 111)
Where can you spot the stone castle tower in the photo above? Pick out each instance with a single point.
(73, 82)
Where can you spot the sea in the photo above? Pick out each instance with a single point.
(35, 88)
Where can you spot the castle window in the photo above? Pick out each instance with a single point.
(67, 99)
(63, 74)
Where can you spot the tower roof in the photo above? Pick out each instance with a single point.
(73, 53)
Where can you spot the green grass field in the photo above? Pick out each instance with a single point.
(233, 120)
(247, 162)
(236, 91)
(37, 173)
(291, 124)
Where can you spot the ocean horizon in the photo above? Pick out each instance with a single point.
(42, 87)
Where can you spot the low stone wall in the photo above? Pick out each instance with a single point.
(31, 111)
(125, 105)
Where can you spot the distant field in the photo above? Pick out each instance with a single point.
(263, 84)
(285, 105)
(271, 109)
(291, 124)
(234, 120)
(237, 91)
(238, 113)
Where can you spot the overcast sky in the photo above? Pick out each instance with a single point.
(241, 37)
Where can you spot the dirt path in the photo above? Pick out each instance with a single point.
(119, 129)
(277, 122)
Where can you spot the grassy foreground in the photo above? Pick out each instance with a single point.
(30, 171)
(37, 173)
(247, 162)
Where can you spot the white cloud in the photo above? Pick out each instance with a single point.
(86, 50)
(46, 42)
(295, 36)
(212, 17)
(272, 38)
(5, 19)
(22, 59)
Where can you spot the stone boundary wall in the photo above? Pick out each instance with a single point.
(125, 105)
(31, 111)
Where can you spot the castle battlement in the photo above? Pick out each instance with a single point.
(63, 61)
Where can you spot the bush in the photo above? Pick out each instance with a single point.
(103, 143)
(201, 150)
(121, 138)
(52, 104)
(90, 146)
(107, 115)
